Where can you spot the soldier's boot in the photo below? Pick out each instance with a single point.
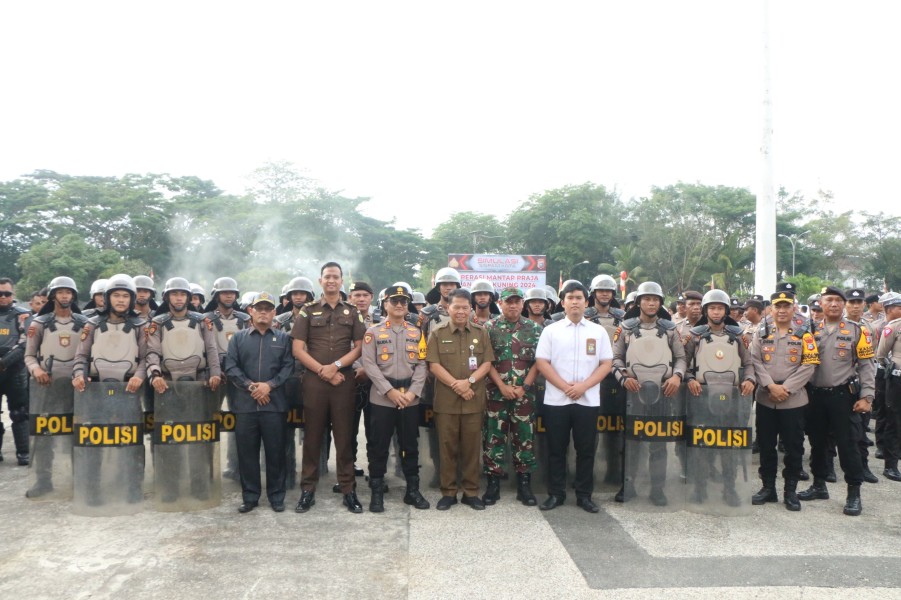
(657, 497)
(524, 489)
(817, 491)
(626, 492)
(730, 496)
(766, 494)
(2, 431)
(803, 475)
(493, 491)
(868, 474)
(853, 507)
(699, 494)
(830, 471)
(377, 498)
(20, 438)
(43, 485)
(891, 470)
(412, 496)
(790, 498)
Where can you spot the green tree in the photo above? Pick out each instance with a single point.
(70, 256)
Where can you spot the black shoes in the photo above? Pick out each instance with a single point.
(625, 493)
(657, 497)
(853, 506)
(446, 502)
(353, 503)
(377, 496)
(246, 507)
(766, 494)
(817, 491)
(474, 502)
(524, 489)
(492, 492)
(277, 506)
(790, 497)
(868, 475)
(587, 505)
(413, 496)
(307, 500)
(551, 503)
(892, 473)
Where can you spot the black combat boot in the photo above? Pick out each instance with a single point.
(830, 472)
(817, 491)
(412, 496)
(853, 507)
(868, 474)
(766, 494)
(377, 497)
(790, 496)
(891, 471)
(493, 491)
(657, 497)
(524, 489)
(20, 438)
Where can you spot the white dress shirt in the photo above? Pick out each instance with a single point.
(574, 350)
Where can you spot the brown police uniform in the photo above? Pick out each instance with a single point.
(459, 422)
(329, 334)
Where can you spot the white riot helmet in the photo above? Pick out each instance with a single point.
(650, 288)
(603, 282)
(716, 297)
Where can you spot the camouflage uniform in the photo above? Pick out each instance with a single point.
(514, 346)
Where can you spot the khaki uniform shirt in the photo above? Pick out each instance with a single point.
(451, 347)
(845, 352)
(394, 354)
(890, 344)
(328, 332)
(785, 359)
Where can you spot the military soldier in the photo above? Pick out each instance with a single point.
(49, 355)
(221, 318)
(785, 356)
(328, 335)
(460, 356)
(181, 348)
(889, 355)
(13, 375)
(113, 347)
(718, 340)
(511, 398)
(842, 386)
(96, 301)
(393, 355)
(484, 297)
(661, 346)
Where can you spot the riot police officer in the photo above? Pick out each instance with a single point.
(50, 355)
(96, 301)
(536, 306)
(13, 375)
(145, 297)
(198, 297)
(484, 298)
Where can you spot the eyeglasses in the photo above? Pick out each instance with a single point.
(6, 294)
(398, 301)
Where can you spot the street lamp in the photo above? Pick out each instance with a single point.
(476, 235)
(573, 268)
(793, 238)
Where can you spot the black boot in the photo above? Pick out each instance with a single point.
(20, 437)
(790, 496)
(853, 507)
(868, 474)
(412, 496)
(625, 493)
(830, 472)
(817, 491)
(766, 494)
(493, 491)
(377, 497)
(524, 489)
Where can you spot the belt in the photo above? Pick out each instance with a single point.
(400, 383)
(834, 388)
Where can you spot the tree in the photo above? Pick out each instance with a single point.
(626, 258)
(467, 233)
(70, 256)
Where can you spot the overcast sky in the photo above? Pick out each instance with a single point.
(430, 108)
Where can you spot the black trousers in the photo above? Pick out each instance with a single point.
(786, 424)
(892, 414)
(250, 429)
(582, 422)
(830, 412)
(384, 421)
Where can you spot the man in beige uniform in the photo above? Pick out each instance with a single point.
(393, 356)
(889, 355)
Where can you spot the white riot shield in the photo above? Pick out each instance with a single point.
(186, 448)
(655, 444)
(608, 461)
(108, 453)
(429, 459)
(50, 427)
(718, 437)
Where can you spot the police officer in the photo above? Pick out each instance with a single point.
(361, 296)
(13, 375)
(854, 309)
(693, 301)
(328, 334)
(536, 306)
(145, 298)
(842, 386)
(752, 317)
(718, 340)
(889, 355)
(180, 347)
(681, 310)
(50, 354)
(96, 301)
(484, 297)
(661, 346)
(393, 355)
(113, 347)
(198, 298)
(785, 357)
(884, 428)
(419, 301)
(460, 356)
(736, 310)
(511, 398)
(224, 321)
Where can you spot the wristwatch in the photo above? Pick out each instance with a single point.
(338, 363)
(472, 380)
(528, 387)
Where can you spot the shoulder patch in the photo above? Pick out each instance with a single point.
(367, 339)
(617, 333)
(85, 332)
(32, 330)
(208, 322)
(150, 329)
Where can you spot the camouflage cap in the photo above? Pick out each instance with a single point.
(511, 292)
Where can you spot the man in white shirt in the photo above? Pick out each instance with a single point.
(574, 355)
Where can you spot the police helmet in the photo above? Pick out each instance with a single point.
(62, 282)
(246, 299)
(142, 282)
(483, 285)
(97, 287)
(419, 298)
(650, 288)
(300, 284)
(223, 284)
(630, 298)
(177, 284)
(551, 295)
(716, 297)
(197, 290)
(120, 281)
(284, 293)
(448, 275)
(603, 282)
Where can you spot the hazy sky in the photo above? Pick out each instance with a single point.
(430, 108)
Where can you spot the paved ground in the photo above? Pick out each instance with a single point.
(507, 551)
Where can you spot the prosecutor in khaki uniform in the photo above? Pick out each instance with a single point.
(460, 356)
(394, 354)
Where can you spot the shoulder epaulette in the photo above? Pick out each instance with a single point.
(700, 330)
(631, 323)
(666, 324)
(617, 313)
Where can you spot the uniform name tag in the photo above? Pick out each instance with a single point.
(591, 346)
(473, 363)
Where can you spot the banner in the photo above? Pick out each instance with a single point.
(524, 271)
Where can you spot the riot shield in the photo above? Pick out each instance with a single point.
(108, 453)
(186, 448)
(718, 438)
(50, 427)
(294, 391)
(654, 443)
(429, 460)
(608, 461)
